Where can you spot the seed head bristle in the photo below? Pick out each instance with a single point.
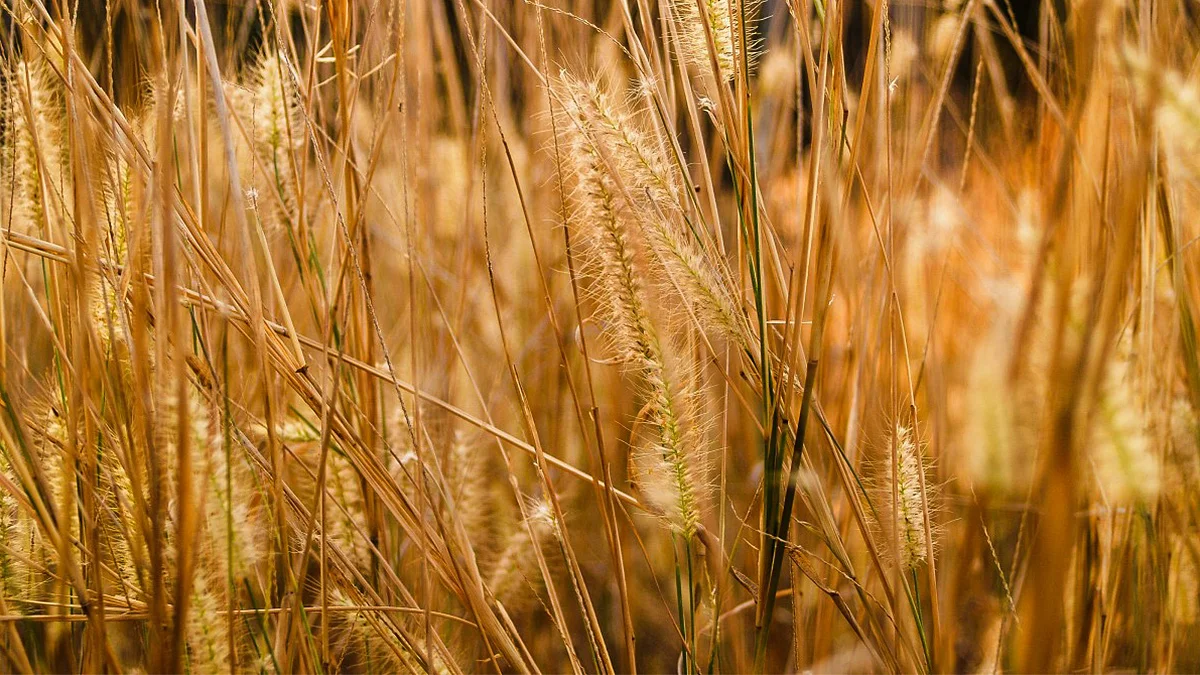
(724, 22)
(207, 628)
(899, 501)
(515, 570)
(632, 180)
(33, 109)
(1126, 467)
(595, 130)
(270, 107)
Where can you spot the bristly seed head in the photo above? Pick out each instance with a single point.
(723, 23)
(1125, 464)
(897, 496)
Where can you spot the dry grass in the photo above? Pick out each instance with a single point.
(599, 336)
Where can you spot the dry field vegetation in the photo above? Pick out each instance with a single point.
(695, 336)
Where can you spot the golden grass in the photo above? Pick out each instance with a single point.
(599, 336)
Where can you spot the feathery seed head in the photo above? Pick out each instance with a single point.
(669, 462)
(469, 485)
(1173, 102)
(616, 231)
(277, 120)
(269, 106)
(1184, 582)
(897, 497)
(621, 145)
(611, 160)
(33, 112)
(695, 49)
(989, 439)
(515, 570)
(207, 635)
(1126, 466)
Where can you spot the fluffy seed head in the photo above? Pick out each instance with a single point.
(207, 632)
(516, 569)
(621, 144)
(33, 113)
(691, 16)
(990, 438)
(617, 233)
(1126, 466)
(1173, 102)
(897, 497)
(270, 107)
(626, 183)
